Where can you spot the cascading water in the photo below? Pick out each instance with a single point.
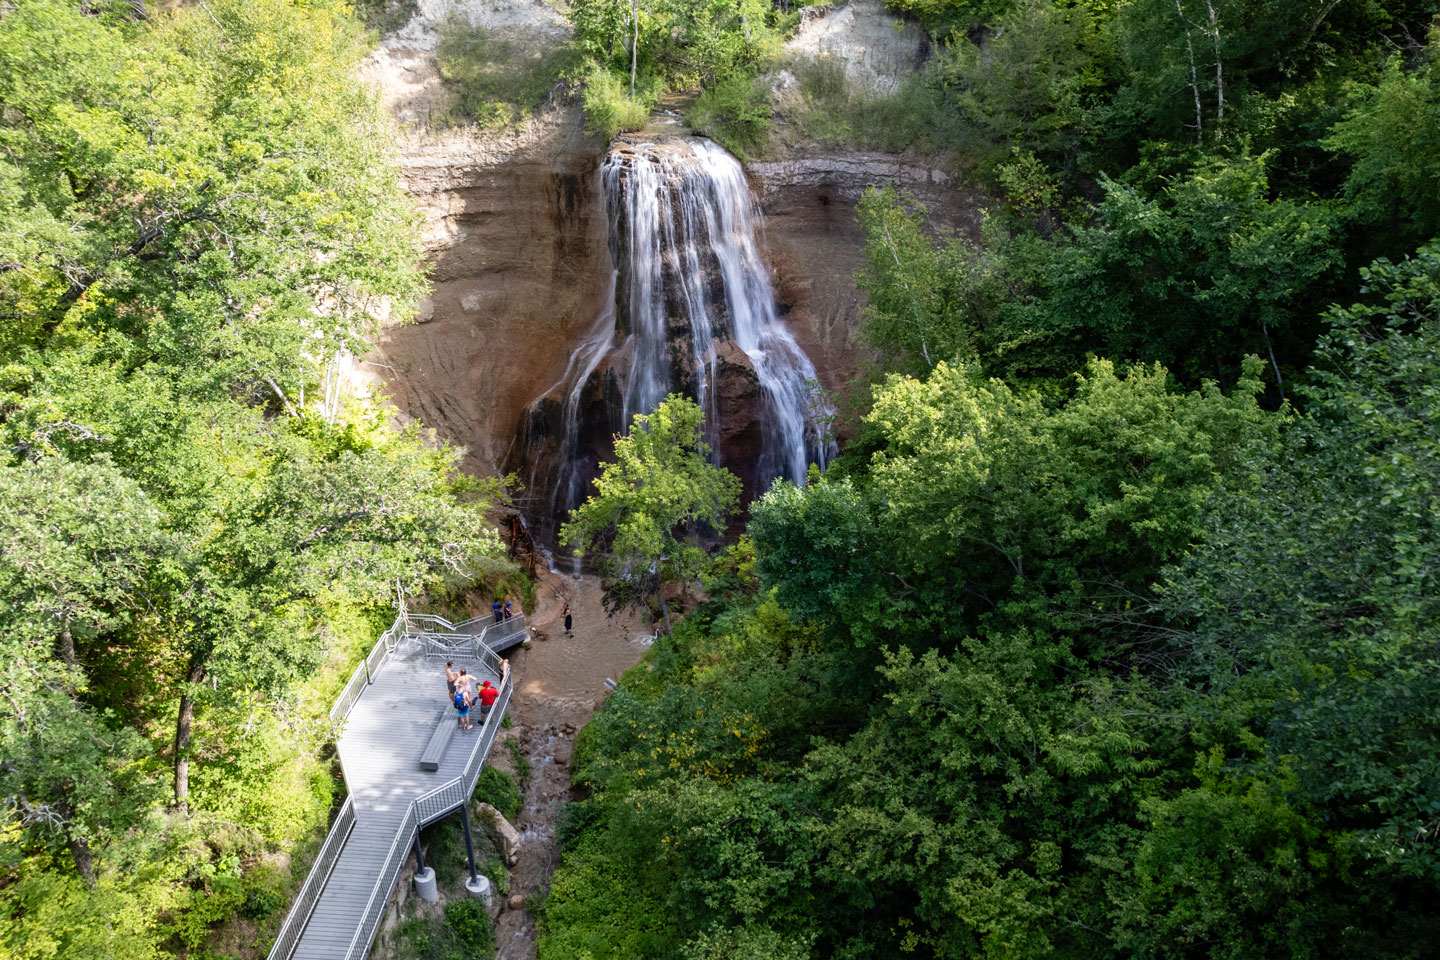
(689, 283)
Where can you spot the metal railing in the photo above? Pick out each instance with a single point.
(480, 645)
(365, 672)
(441, 638)
(423, 810)
(299, 914)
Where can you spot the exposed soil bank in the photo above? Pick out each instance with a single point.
(560, 682)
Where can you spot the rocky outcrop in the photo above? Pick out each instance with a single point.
(816, 246)
(516, 241)
(876, 49)
(509, 836)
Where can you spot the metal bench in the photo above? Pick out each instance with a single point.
(434, 751)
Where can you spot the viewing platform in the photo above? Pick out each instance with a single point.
(386, 716)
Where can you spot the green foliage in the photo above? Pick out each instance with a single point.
(609, 108)
(926, 299)
(471, 925)
(497, 789)
(1390, 134)
(1026, 87)
(660, 487)
(517, 757)
(947, 16)
(683, 42)
(830, 111)
(385, 16)
(1207, 270)
(463, 931)
(1338, 677)
(496, 81)
(201, 220)
(735, 113)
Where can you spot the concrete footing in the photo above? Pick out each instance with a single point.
(479, 888)
(425, 885)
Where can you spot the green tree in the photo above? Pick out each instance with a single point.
(1389, 134)
(1025, 87)
(1195, 278)
(660, 488)
(1314, 606)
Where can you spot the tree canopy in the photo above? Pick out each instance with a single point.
(200, 224)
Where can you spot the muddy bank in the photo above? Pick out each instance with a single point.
(559, 683)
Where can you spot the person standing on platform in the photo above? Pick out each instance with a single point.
(495, 609)
(450, 677)
(461, 699)
(488, 696)
(509, 614)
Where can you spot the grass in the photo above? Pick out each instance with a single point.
(734, 113)
(832, 112)
(522, 762)
(609, 108)
(496, 81)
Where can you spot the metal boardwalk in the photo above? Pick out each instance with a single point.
(389, 709)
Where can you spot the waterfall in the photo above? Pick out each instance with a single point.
(691, 298)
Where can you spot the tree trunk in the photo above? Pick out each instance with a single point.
(664, 607)
(194, 674)
(66, 646)
(84, 862)
(1194, 75)
(634, 43)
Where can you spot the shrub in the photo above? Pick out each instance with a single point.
(574, 820)
(608, 106)
(386, 16)
(263, 894)
(735, 113)
(518, 758)
(497, 789)
(471, 925)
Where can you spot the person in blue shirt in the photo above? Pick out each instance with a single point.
(495, 609)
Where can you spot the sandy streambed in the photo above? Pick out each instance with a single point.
(560, 682)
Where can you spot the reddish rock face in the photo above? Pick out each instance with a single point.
(740, 438)
(517, 234)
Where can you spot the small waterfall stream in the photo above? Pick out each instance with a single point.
(691, 311)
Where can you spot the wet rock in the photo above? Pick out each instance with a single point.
(562, 755)
(516, 902)
(740, 408)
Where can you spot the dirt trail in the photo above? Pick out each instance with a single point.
(560, 682)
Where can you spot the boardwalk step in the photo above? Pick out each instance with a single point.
(445, 727)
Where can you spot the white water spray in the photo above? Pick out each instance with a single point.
(685, 239)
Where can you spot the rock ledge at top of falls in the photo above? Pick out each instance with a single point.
(850, 174)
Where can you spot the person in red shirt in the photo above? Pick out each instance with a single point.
(488, 696)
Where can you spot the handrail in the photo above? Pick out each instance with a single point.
(315, 880)
(394, 858)
(458, 791)
(433, 631)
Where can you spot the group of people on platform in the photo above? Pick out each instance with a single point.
(465, 694)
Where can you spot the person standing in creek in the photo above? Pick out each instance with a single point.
(568, 621)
